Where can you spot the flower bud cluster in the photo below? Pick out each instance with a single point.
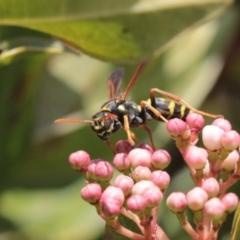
(214, 169)
(141, 180)
(135, 192)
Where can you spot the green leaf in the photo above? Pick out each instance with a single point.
(18, 87)
(119, 31)
(17, 43)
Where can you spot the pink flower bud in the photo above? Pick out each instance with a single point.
(230, 201)
(196, 157)
(160, 159)
(112, 193)
(111, 208)
(141, 186)
(146, 146)
(123, 146)
(125, 183)
(195, 121)
(153, 196)
(177, 128)
(91, 193)
(139, 157)
(141, 173)
(79, 160)
(214, 208)
(211, 187)
(136, 204)
(230, 163)
(161, 179)
(230, 140)
(100, 170)
(212, 136)
(177, 202)
(222, 123)
(121, 162)
(196, 198)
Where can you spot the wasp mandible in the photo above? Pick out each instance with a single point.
(118, 112)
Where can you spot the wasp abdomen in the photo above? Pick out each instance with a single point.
(169, 109)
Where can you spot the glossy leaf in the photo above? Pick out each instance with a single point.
(122, 31)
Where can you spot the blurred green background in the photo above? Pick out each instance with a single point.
(196, 49)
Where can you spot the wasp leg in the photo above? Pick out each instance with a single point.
(134, 136)
(181, 101)
(111, 147)
(130, 134)
(147, 129)
(143, 105)
(154, 110)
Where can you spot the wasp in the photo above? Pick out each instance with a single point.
(118, 112)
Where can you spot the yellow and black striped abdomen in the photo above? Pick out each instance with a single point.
(169, 109)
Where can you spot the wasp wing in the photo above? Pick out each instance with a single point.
(114, 82)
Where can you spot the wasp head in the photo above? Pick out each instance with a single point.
(105, 123)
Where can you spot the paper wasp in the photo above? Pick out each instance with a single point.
(118, 112)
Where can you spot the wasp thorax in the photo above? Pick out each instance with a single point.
(105, 123)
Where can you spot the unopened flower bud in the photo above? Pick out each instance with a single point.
(211, 136)
(177, 202)
(136, 204)
(195, 121)
(111, 208)
(146, 146)
(177, 128)
(111, 201)
(112, 193)
(230, 201)
(141, 186)
(196, 198)
(139, 157)
(214, 208)
(160, 159)
(125, 183)
(123, 146)
(153, 196)
(196, 157)
(211, 187)
(121, 162)
(100, 170)
(222, 123)
(91, 193)
(230, 140)
(79, 160)
(230, 163)
(141, 173)
(161, 179)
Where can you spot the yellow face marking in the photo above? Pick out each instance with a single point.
(97, 127)
(109, 130)
(101, 134)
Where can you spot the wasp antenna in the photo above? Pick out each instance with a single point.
(65, 120)
(134, 78)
